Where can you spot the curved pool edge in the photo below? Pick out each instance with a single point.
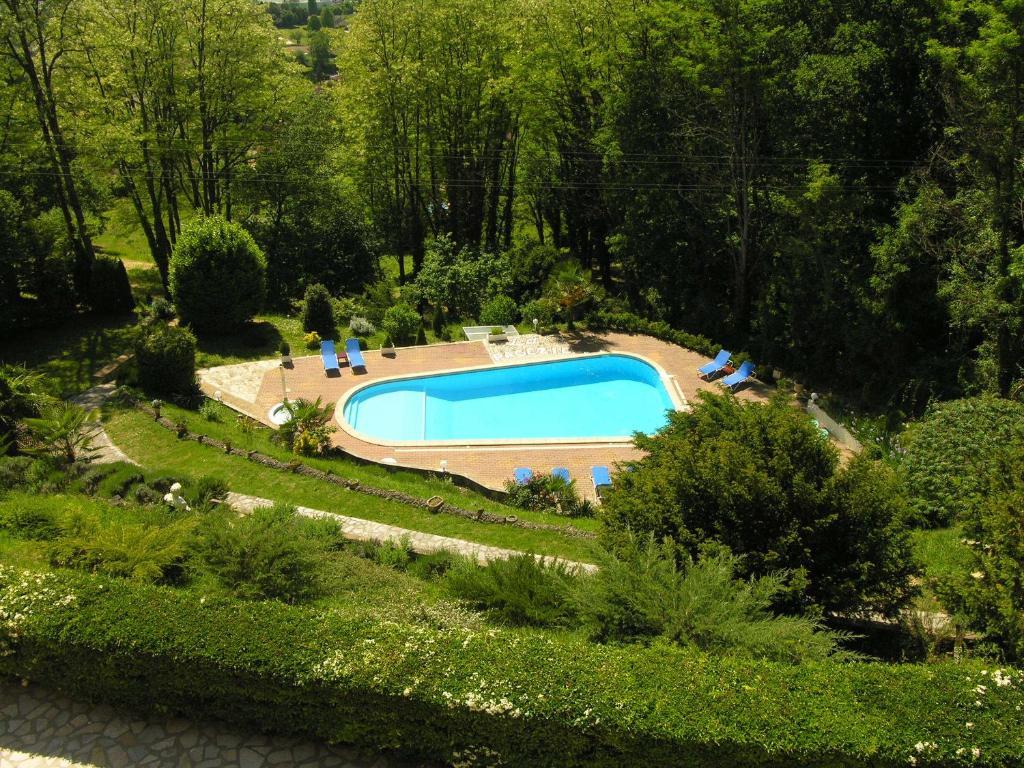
(668, 381)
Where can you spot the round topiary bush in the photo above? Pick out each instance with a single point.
(217, 275)
(110, 291)
(541, 310)
(401, 322)
(501, 310)
(166, 359)
(951, 452)
(318, 311)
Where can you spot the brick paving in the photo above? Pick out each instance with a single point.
(489, 465)
(40, 728)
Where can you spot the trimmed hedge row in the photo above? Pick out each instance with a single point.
(448, 689)
(627, 322)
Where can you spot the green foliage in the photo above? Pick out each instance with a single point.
(217, 275)
(14, 471)
(138, 551)
(500, 311)
(541, 310)
(952, 450)
(166, 360)
(547, 492)
(631, 323)
(569, 286)
(985, 593)
(458, 279)
(401, 324)
(308, 431)
(110, 292)
(35, 523)
(312, 340)
(65, 432)
(435, 688)
(263, 556)
(21, 396)
(318, 311)
(644, 592)
(519, 591)
(314, 23)
(758, 479)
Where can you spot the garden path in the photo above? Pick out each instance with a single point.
(40, 728)
(422, 543)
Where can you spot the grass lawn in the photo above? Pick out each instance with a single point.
(68, 356)
(227, 427)
(153, 446)
(349, 581)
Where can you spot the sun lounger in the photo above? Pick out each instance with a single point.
(715, 366)
(734, 380)
(523, 475)
(602, 479)
(329, 356)
(563, 473)
(355, 355)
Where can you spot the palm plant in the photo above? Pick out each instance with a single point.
(570, 286)
(65, 431)
(308, 431)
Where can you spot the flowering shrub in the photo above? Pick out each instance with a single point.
(440, 689)
(311, 340)
(360, 326)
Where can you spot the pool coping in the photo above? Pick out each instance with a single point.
(668, 381)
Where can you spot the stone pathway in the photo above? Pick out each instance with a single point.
(242, 380)
(528, 346)
(423, 543)
(106, 451)
(40, 728)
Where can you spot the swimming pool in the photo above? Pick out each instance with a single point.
(599, 396)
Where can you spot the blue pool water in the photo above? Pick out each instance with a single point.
(602, 396)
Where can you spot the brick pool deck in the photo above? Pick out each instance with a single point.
(488, 465)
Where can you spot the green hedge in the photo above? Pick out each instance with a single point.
(448, 686)
(627, 322)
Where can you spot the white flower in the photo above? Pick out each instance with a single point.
(975, 753)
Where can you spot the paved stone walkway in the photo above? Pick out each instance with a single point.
(40, 728)
(106, 451)
(423, 543)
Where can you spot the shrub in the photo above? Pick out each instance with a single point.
(367, 678)
(217, 275)
(33, 523)
(110, 291)
(146, 553)
(986, 593)
(545, 492)
(318, 311)
(200, 493)
(312, 340)
(263, 556)
(951, 452)
(401, 322)
(541, 310)
(161, 309)
(209, 411)
(66, 432)
(14, 472)
(644, 592)
(501, 310)
(119, 480)
(519, 591)
(166, 359)
(361, 326)
(759, 479)
(308, 431)
(630, 323)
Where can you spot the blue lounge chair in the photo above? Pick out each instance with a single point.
(329, 356)
(715, 366)
(563, 473)
(355, 356)
(602, 479)
(523, 475)
(733, 380)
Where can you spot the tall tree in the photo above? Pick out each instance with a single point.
(40, 36)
